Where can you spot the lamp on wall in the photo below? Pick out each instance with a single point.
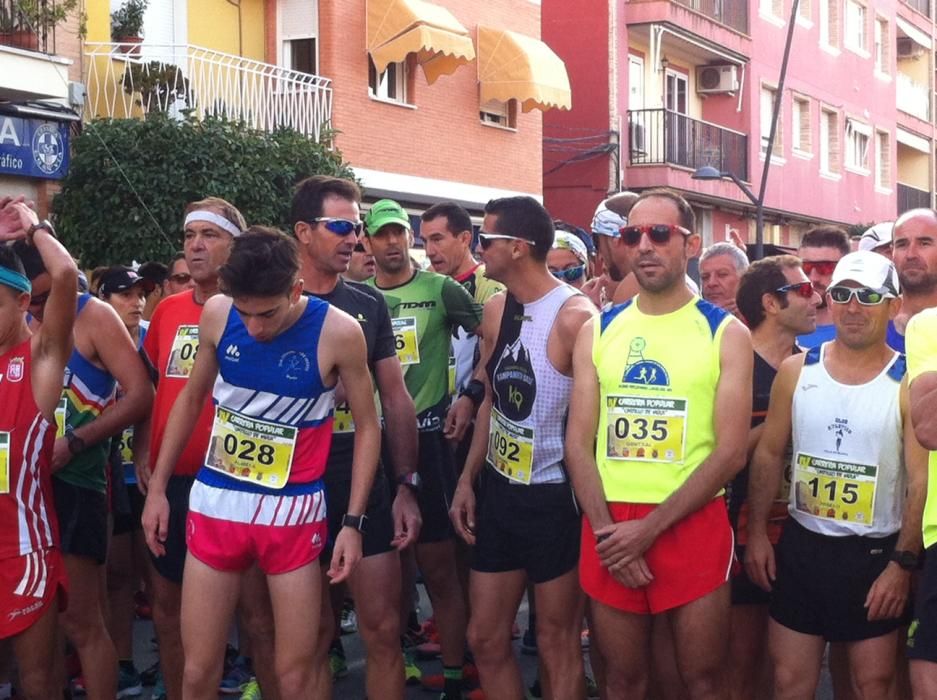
(664, 63)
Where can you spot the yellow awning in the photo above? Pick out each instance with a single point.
(397, 28)
(519, 67)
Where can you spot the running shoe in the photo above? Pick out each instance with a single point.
(251, 690)
(534, 692)
(437, 681)
(592, 688)
(128, 684)
(237, 675)
(337, 663)
(411, 671)
(477, 694)
(349, 618)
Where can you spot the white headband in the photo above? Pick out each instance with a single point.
(212, 218)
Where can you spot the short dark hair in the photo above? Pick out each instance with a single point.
(154, 271)
(687, 215)
(10, 260)
(178, 255)
(263, 262)
(524, 217)
(228, 210)
(826, 236)
(457, 219)
(762, 277)
(30, 259)
(311, 193)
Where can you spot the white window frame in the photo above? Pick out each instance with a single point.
(499, 114)
(858, 140)
(766, 111)
(289, 29)
(830, 25)
(883, 169)
(396, 73)
(829, 158)
(801, 125)
(855, 29)
(881, 42)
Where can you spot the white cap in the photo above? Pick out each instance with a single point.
(877, 236)
(564, 240)
(605, 222)
(868, 269)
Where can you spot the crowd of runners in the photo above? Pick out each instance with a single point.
(719, 486)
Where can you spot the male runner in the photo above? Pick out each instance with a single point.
(820, 249)
(178, 280)
(845, 556)
(326, 221)
(606, 225)
(171, 344)
(424, 308)
(361, 265)
(32, 574)
(671, 431)
(721, 267)
(778, 303)
(568, 259)
(526, 526)
(915, 257)
(271, 358)
(103, 356)
(878, 238)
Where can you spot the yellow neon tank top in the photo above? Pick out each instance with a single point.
(657, 382)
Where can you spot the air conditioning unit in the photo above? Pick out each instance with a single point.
(717, 79)
(908, 48)
(636, 141)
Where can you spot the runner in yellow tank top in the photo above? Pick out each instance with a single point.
(664, 383)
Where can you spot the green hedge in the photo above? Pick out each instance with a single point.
(129, 181)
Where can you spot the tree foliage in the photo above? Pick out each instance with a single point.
(130, 180)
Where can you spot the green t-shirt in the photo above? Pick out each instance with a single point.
(424, 312)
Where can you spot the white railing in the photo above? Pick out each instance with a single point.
(127, 80)
(911, 97)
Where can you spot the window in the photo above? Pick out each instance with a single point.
(767, 109)
(883, 160)
(858, 136)
(499, 113)
(300, 55)
(829, 23)
(390, 85)
(880, 45)
(298, 32)
(829, 141)
(800, 124)
(774, 8)
(803, 10)
(855, 25)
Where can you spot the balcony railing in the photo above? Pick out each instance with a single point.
(125, 80)
(922, 6)
(658, 136)
(32, 31)
(912, 198)
(732, 13)
(912, 98)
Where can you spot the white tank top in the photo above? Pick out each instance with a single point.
(530, 397)
(847, 475)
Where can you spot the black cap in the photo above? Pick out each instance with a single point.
(120, 279)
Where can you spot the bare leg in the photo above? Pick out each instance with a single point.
(701, 638)
(166, 598)
(623, 640)
(559, 627)
(255, 615)
(749, 671)
(438, 564)
(296, 597)
(495, 599)
(34, 649)
(797, 658)
(872, 666)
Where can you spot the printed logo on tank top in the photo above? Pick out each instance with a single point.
(15, 369)
(840, 430)
(295, 364)
(514, 382)
(642, 371)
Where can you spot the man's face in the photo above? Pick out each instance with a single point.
(720, 280)
(614, 256)
(390, 246)
(179, 279)
(560, 259)
(446, 251)
(129, 305)
(859, 326)
(915, 254)
(659, 266)
(362, 264)
(265, 317)
(206, 247)
(42, 285)
(330, 251)
(799, 316)
(13, 305)
(819, 263)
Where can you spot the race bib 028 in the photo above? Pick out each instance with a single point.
(249, 449)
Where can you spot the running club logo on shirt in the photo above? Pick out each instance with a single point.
(641, 371)
(294, 363)
(515, 383)
(839, 429)
(15, 369)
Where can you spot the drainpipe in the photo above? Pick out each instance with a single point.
(237, 4)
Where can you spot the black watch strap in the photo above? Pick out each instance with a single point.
(43, 224)
(905, 559)
(475, 390)
(354, 521)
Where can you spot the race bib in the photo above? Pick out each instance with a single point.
(510, 448)
(406, 340)
(452, 377)
(646, 429)
(4, 463)
(827, 488)
(60, 412)
(126, 446)
(343, 422)
(182, 354)
(249, 449)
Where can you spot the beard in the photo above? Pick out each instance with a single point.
(917, 281)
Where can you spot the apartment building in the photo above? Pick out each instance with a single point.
(691, 83)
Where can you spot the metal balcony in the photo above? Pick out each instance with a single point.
(732, 13)
(912, 198)
(20, 30)
(660, 136)
(130, 81)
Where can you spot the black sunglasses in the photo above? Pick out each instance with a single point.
(658, 233)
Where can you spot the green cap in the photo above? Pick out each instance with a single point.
(383, 212)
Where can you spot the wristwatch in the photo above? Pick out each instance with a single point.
(355, 521)
(75, 443)
(475, 390)
(412, 481)
(905, 559)
(43, 224)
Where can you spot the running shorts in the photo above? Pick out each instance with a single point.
(922, 635)
(29, 584)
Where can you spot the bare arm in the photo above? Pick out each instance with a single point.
(399, 415)
(923, 415)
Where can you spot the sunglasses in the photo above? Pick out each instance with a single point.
(864, 295)
(570, 274)
(801, 289)
(340, 227)
(658, 233)
(823, 267)
(181, 277)
(486, 239)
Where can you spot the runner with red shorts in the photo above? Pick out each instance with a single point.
(658, 423)
(32, 575)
